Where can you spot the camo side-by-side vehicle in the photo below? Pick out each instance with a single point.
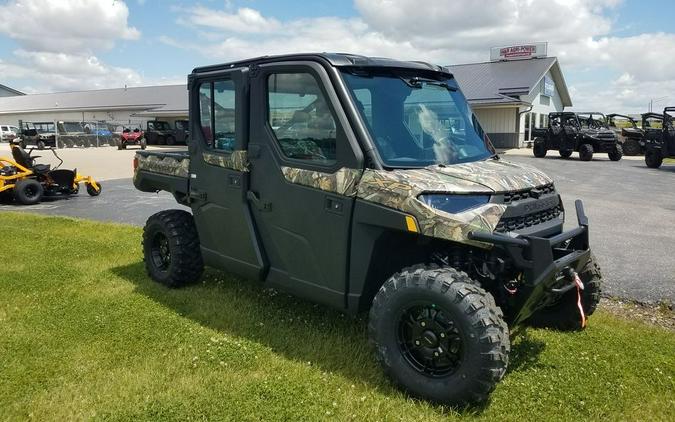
(585, 133)
(365, 184)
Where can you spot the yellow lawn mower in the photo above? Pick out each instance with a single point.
(29, 182)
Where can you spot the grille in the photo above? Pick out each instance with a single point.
(526, 194)
(518, 223)
(608, 140)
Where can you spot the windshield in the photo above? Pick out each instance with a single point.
(157, 125)
(72, 127)
(415, 121)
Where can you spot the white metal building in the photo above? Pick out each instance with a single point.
(514, 92)
(121, 105)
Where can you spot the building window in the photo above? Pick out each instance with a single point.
(300, 118)
(543, 100)
(543, 120)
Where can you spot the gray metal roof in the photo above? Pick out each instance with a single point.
(10, 91)
(159, 98)
(504, 82)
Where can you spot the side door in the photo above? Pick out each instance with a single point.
(219, 174)
(305, 164)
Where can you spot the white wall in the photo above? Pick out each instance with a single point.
(497, 120)
(539, 107)
(117, 116)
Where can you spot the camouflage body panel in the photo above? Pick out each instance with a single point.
(498, 175)
(237, 160)
(342, 182)
(399, 189)
(165, 164)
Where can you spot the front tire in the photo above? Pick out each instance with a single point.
(439, 336)
(171, 248)
(653, 159)
(539, 148)
(616, 154)
(586, 152)
(92, 191)
(564, 314)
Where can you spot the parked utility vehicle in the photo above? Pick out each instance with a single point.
(39, 134)
(631, 137)
(131, 137)
(363, 184)
(586, 133)
(660, 142)
(159, 132)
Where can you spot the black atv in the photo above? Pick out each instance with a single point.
(585, 133)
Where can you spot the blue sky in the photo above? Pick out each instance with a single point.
(615, 54)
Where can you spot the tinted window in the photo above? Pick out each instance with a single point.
(300, 117)
(218, 114)
(205, 112)
(224, 115)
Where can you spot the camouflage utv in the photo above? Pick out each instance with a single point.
(366, 184)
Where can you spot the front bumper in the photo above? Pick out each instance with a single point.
(543, 260)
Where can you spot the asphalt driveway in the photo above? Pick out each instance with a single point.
(631, 210)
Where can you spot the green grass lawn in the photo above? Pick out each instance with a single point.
(84, 334)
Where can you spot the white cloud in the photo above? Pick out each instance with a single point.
(65, 72)
(245, 20)
(579, 32)
(58, 42)
(71, 26)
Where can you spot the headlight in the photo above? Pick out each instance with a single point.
(453, 204)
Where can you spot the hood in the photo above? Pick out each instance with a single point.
(496, 175)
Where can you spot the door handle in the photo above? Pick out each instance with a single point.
(334, 205)
(255, 200)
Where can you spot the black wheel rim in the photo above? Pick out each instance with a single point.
(160, 252)
(430, 340)
(30, 191)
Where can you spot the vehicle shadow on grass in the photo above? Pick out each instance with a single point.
(297, 329)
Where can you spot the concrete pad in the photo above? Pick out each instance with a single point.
(103, 163)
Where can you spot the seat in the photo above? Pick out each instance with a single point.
(24, 159)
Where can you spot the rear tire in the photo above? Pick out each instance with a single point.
(40, 145)
(28, 191)
(564, 315)
(653, 159)
(586, 152)
(539, 148)
(463, 349)
(171, 248)
(616, 154)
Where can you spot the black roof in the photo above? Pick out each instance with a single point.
(334, 59)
